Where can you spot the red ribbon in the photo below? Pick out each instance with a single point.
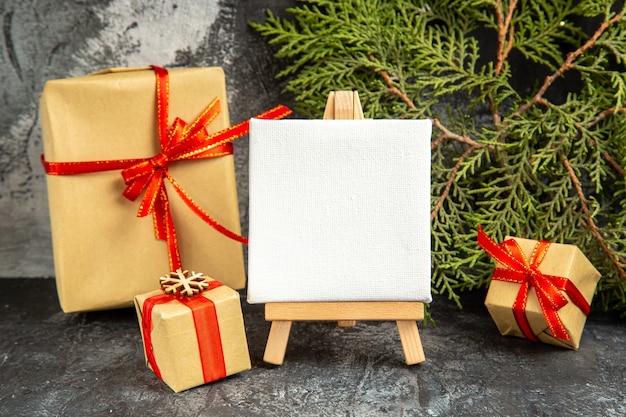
(206, 327)
(549, 288)
(179, 142)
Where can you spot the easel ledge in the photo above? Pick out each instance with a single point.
(344, 105)
(405, 314)
(353, 310)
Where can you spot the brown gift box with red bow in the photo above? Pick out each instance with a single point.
(561, 260)
(193, 341)
(104, 255)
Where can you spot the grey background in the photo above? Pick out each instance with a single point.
(49, 39)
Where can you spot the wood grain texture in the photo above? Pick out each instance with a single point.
(277, 342)
(411, 342)
(355, 310)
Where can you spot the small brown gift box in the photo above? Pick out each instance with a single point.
(560, 260)
(103, 254)
(193, 341)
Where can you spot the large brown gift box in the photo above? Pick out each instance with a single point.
(103, 254)
(188, 349)
(560, 260)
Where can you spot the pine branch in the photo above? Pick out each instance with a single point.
(567, 65)
(607, 113)
(451, 178)
(504, 27)
(447, 134)
(497, 152)
(394, 90)
(616, 260)
(504, 48)
(600, 117)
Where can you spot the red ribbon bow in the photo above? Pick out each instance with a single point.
(179, 142)
(549, 289)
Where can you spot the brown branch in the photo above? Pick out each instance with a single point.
(509, 44)
(501, 36)
(504, 49)
(497, 119)
(607, 113)
(435, 143)
(567, 65)
(499, 16)
(454, 136)
(447, 134)
(450, 181)
(504, 28)
(613, 163)
(395, 90)
(591, 224)
(600, 117)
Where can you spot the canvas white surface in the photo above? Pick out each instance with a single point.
(339, 210)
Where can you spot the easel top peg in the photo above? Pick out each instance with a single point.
(343, 105)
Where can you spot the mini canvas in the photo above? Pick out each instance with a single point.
(339, 210)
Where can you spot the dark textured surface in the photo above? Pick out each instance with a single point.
(91, 364)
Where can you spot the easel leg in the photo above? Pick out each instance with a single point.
(277, 342)
(411, 342)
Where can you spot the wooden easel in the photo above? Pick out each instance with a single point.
(344, 105)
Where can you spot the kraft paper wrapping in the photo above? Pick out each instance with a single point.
(561, 260)
(175, 344)
(104, 255)
(339, 210)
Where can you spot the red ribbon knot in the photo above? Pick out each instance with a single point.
(160, 162)
(551, 290)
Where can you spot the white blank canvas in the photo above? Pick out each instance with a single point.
(339, 210)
